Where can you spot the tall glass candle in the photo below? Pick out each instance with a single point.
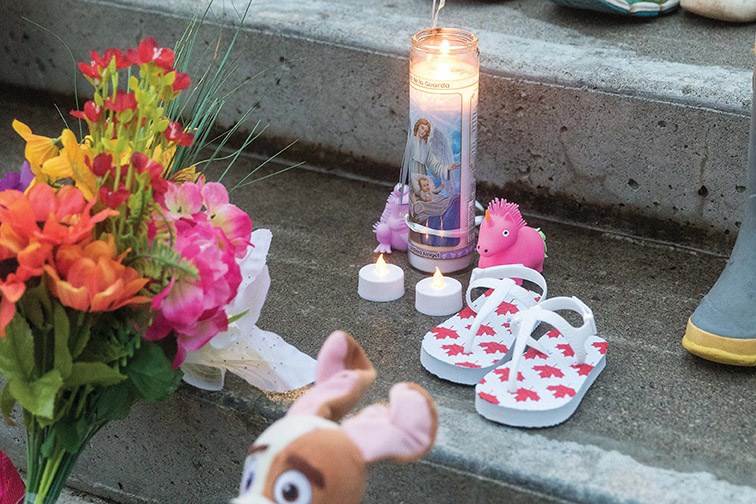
(441, 144)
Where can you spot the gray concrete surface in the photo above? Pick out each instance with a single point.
(594, 117)
(658, 426)
(73, 497)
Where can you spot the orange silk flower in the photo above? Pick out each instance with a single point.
(91, 277)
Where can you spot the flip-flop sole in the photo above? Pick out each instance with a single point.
(457, 374)
(537, 418)
(442, 347)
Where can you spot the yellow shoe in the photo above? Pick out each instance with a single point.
(734, 351)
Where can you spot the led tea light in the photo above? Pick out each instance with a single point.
(438, 295)
(381, 281)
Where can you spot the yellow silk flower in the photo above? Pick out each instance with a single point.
(38, 148)
(71, 163)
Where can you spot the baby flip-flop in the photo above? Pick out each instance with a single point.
(544, 385)
(466, 346)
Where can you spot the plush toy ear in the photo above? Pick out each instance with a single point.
(342, 374)
(403, 431)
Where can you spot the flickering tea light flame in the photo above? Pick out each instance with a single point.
(438, 279)
(381, 268)
(380, 281)
(438, 295)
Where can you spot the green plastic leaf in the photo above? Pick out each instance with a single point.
(152, 374)
(126, 116)
(81, 341)
(38, 397)
(17, 351)
(236, 317)
(35, 305)
(115, 402)
(71, 434)
(47, 447)
(92, 373)
(7, 401)
(61, 332)
(161, 125)
(102, 351)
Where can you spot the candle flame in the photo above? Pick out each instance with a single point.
(438, 279)
(380, 266)
(444, 65)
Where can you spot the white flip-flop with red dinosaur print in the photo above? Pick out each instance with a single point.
(552, 375)
(471, 343)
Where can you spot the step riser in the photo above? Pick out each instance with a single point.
(678, 162)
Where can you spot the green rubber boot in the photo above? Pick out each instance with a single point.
(723, 327)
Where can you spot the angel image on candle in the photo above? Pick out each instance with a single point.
(433, 174)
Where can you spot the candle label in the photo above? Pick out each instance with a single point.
(440, 161)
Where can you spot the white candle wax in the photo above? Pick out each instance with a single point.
(438, 295)
(381, 282)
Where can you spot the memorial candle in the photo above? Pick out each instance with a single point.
(441, 146)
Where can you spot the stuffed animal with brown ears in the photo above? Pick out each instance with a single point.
(308, 458)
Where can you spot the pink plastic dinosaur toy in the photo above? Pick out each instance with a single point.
(505, 238)
(392, 231)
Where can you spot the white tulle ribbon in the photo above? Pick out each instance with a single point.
(260, 357)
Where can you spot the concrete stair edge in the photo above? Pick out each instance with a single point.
(573, 472)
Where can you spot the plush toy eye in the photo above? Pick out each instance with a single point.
(292, 487)
(248, 478)
(505, 233)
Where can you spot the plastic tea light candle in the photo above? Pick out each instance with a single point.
(381, 281)
(438, 295)
(441, 145)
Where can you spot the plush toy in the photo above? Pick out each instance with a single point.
(308, 458)
(505, 238)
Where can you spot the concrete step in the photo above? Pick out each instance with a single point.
(639, 124)
(658, 426)
(74, 497)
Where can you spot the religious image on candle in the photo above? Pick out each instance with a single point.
(433, 156)
(440, 152)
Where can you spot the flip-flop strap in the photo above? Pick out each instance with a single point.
(507, 271)
(502, 286)
(523, 337)
(525, 322)
(575, 336)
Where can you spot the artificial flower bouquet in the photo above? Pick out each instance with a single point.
(118, 264)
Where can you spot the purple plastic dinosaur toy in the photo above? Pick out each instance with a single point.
(392, 231)
(505, 238)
